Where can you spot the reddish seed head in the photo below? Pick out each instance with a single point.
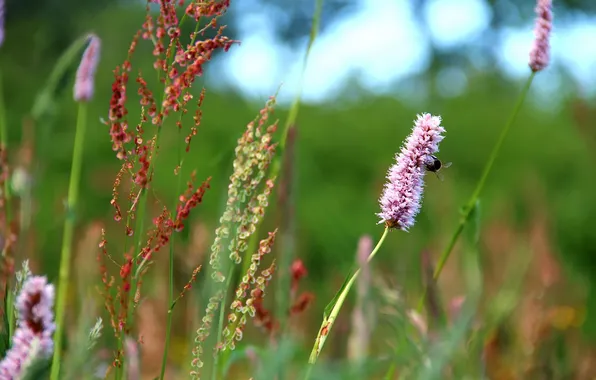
(302, 303)
(298, 271)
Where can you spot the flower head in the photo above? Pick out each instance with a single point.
(402, 195)
(540, 53)
(1, 22)
(33, 336)
(83, 88)
(34, 304)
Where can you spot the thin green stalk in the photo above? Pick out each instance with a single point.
(291, 120)
(286, 255)
(284, 283)
(220, 322)
(471, 204)
(7, 201)
(333, 308)
(487, 168)
(3, 150)
(69, 225)
(171, 264)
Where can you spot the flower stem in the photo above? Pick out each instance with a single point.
(7, 201)
(335, 306)
(69, 224)
(4, 152)
(467, 212)
(471, 204)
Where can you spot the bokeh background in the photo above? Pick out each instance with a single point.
(374, 66)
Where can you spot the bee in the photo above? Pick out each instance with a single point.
(433, 164)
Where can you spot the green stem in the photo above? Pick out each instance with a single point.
(69, 225)
(284, 283)
(291, 120)
(336, 304)
(171, 264)
(3, 151)
(487, 168)
(7, 202)
(220, 323)
(471, 204)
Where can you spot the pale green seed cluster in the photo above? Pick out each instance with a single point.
(248, 191)
(203, 333)
(238, 316)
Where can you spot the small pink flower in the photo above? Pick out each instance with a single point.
(84, 82)
(540, 53)
(402, 195)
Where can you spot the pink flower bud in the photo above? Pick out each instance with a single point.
(83, 88)
(540, 53)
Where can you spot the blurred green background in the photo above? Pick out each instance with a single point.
(544, 177)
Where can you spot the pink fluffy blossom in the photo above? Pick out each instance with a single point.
(540, 53)
(33, 336)
(402, 195)
(84, 82)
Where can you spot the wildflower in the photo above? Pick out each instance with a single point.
(1, 22)
(539, 55)
(33, 336)
(402, 195)
(83, 88)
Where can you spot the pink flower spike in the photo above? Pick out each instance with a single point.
(1, 22)
(35, 327)
(84, 82)
(540, 53)
(402, 195)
